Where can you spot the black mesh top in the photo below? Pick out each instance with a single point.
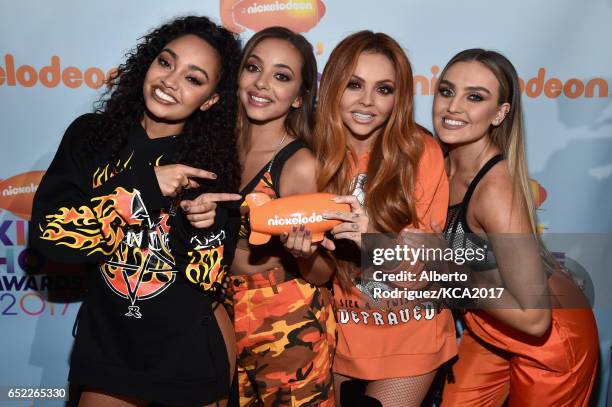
(458, 233)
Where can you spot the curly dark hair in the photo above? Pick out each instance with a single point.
(208, 140)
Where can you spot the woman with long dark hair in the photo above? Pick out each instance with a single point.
(133, 188)
(283, 320)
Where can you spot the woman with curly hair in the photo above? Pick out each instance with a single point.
(132, 188)
(284, 324)
(368, 145)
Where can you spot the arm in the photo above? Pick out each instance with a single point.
(205, 234)
(298, 177)
(298, 174)
(524, 304)
(80, 215)
(496, 212)
(202, 254)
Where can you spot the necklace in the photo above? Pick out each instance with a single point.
(276, 151)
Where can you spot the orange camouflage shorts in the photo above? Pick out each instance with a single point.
(285, 334)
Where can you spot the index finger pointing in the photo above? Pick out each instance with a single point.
(197, 173)
(220, 197)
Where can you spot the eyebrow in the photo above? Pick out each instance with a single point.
(191, 66)
(379, 82)
(276, 65)
(468, 88)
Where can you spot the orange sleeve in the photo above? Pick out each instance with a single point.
(431, 188)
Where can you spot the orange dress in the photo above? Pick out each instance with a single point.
(387, 338)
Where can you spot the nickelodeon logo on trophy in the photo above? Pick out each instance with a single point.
(297, 15)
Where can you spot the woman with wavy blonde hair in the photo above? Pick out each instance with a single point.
(376, 158)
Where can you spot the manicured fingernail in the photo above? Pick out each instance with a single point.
(302, 227)
(308, 232)
(213, 175)
(293, 229)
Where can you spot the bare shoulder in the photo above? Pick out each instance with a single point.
(298, 175)
(494, 206)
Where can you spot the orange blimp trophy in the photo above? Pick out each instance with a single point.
(274, 216)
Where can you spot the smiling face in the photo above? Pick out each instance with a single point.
(181, 79)
(369, 97)
(466, 104)
(270, 83)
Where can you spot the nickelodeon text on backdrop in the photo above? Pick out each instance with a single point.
(542, 84)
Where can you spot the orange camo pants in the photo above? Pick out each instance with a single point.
(558, 371)
(285, 334)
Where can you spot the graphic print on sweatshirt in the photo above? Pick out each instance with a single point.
(142, 267)
(130, 238)
(367, 287)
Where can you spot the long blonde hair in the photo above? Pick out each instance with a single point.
(509, 136)
(393, 163)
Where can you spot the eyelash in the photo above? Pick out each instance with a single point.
(251, 68)
(194, 80)
(353, 85)
(447, 92)
(282, 77)
(165, 64)
(279, 76)
(385, 90)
